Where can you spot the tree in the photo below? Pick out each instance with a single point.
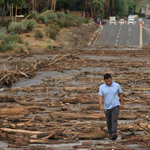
(91, 8)
(113, 8)
(86, 14)
(6, 5)
(98, 6)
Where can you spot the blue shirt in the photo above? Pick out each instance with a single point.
(110, 95)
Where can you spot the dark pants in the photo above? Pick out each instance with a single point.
(112, 118)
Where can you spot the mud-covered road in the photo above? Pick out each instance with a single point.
(54, 105)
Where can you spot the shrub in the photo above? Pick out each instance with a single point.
(70, 16)
(13, 39)
(78, 23)
(42, 18)
(6, 23)
(29, 24)
(59, 14)
(61, 22)
(49, 47)
(26, 43)
(2, 35)
(38, 34)
(48, 41)
(80, 19)
(18, 49)
(10, 45)
(16, 27)
(52, 16)
(3, 48)
(86, 20)
(28, 35)
(69, 23)
(34, 14)
(52, 30)
(48, 22)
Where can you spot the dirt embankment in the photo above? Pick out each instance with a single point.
(76, 36)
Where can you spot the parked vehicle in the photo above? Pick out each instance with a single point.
(147, 17)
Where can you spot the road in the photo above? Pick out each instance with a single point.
(116, 35)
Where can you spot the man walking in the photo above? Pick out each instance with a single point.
(108, 94)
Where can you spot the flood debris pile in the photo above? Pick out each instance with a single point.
(8, 77)
(64, 109)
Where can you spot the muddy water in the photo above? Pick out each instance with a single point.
(41, 77)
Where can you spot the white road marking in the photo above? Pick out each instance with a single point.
(98, 34)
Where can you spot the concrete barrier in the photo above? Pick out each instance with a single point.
(112, 20)
(131, 20)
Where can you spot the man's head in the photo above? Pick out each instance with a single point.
(108, 79)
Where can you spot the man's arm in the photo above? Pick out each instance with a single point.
(100, 102)
(122, 102)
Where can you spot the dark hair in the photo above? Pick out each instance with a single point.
(107, 76)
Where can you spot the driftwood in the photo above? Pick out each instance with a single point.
(75, 100)
(49, 136)
(21, 131)
(97, 134)
(7, 98)
(34, 103)
(78, 116)
(14, 111)
(8, 77)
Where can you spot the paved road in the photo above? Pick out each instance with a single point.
(116, 35)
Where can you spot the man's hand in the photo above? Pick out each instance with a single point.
(121, 106)
(100, 102)
(101, 108)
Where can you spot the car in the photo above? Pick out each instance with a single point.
(140, 19)
(147, 16)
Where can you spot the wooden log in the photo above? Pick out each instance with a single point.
(70, 89)
(21, 131)
(50, 110)
(140, 89)
(49, 136)
(45, 141)
(127, 117)
(78, 116)
(34, 103)
(14, 111)
(7, 98)
(97, 134)
(75, 100)
(92, 107)
(15, 117)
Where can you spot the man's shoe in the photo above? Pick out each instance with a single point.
(114, 137)
(110, 137)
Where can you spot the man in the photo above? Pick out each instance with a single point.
(108, 94)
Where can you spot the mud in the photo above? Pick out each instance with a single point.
(56, 106)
